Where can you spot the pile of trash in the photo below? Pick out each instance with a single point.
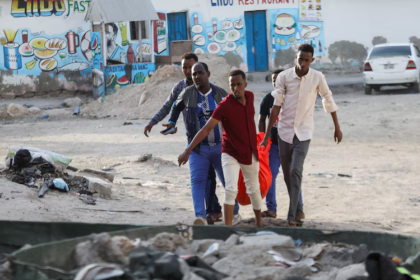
(144, 100)
(42, 170)
(264, 255)
(13, 110)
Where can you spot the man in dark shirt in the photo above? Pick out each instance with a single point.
(213, 208)
(265, 110)
(239, 144)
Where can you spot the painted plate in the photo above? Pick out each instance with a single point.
(85, 46)
(310, 31)
(229, 46)
(43, 54)
(220, 37)
(198, 51)
(199, 40)
(233, 35)
(48, 64)
(38, 43)
(197, 29)
(26, 50)
(239, 24)
(56, 44)
(214, 48)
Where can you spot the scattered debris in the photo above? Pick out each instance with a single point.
(71, 168)
(127, 123)
(100, 173)
(144, 158)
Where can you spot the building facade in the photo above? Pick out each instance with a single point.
(47, 45)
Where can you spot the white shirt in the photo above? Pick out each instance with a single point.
(297, 97)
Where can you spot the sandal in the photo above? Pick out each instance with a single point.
(268, 214)
(300, 216)
(291, 223)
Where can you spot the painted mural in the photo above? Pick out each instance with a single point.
(287, 32)
(98, 89)
(32, 53)
(218, 36)
(160, 34)
(120, 76)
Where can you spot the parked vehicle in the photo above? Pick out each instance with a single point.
(392, 65)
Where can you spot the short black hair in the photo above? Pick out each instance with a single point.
(277, 71)
(306, 48)
(236, 73)
(114, 27)
(206, 67)
(190, 55)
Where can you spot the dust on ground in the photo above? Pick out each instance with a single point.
(380, 151)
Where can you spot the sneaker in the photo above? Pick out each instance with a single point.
(236, 220)
(200, 221)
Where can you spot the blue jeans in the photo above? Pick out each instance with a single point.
(199, 169)
(212, 202)
(271, 202)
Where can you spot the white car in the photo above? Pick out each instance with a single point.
(392, 65)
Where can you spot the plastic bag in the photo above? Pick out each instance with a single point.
(265, 176)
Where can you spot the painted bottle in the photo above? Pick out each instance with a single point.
(320, 47)
(195, 19)
(24, 36)
(238, 50)
(130, 54)
(122, 57)
(274, 40)
(214, 26)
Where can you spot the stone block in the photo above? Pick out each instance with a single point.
(34, 110)
(102, 174)
(104, 189)
(73, 102)
(7, 95)
(267, 240)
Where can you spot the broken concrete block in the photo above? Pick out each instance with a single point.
(34, 110)
(351, 271)
(104, 189)
(73, 102)
(103, 174)
(267, 239)
(232, 241)
(7, 95)
(201, 246)
(16, 110)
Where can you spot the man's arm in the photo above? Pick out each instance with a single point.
(273, 118)
(179, 106)
(263, 114)
(164, 111)
(330, 107)
(211, 123)
(261, 123)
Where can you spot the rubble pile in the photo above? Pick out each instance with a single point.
(265, 255)
(144, 100)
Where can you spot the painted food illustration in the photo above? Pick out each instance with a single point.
(38, 43)
(220, 37)
(197, 29)
(310, 31)
(31, 64)
(123, 81)
(56, 44)
(198, 51)
(85, 46)
(285, 25)
(213, 48)
(227, 24)
(229, 46)
(239, 24)
(46, 53)
(74, 66)
(291, 39)
(199, 40)
(26, 50)
(48, 64)
(111, 81)
(233, 35)
(139, 78)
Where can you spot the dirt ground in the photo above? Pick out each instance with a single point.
(380, 150)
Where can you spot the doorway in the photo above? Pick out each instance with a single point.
(177, 27)
(256, 41)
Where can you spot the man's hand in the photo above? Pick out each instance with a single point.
(338, 135)
(168, 126)
(264, 142)
(183, 158)
(147, 129)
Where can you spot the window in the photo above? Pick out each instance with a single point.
(390, 51)
(136, 26)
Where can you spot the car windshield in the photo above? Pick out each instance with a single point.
(390, 51)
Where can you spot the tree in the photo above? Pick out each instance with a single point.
(347, 51)
(379, 40)
(284, 57)
(415, 41)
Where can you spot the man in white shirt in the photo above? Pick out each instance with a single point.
(295, 94)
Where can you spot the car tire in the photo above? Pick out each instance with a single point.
(377, 88)
(416, 87)
(368, 90)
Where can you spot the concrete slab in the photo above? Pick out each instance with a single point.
(99, 173)
(104, 189)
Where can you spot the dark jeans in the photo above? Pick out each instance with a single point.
(212, 202)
